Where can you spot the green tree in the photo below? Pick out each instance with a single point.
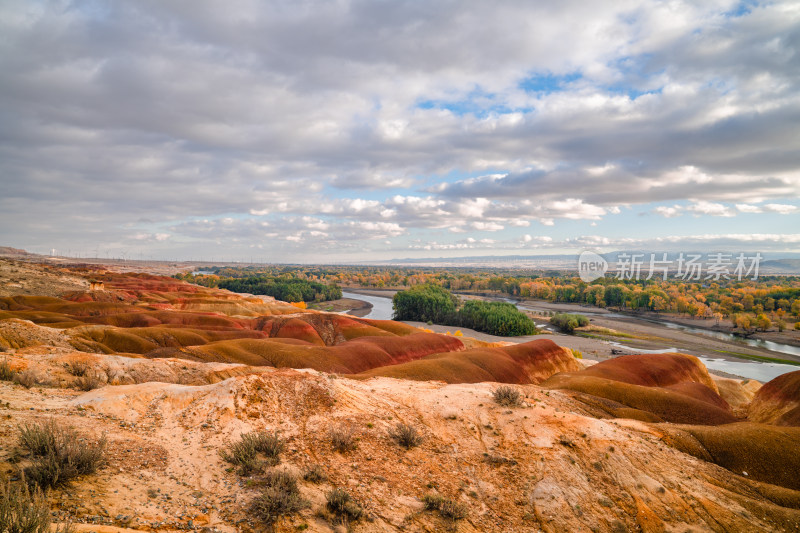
(424, 303)
(567, 322)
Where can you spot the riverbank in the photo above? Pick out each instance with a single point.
(351, 306)
(612, 334)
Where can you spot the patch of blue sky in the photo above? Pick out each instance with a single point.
(478, 108)
(457, 175)
(741, 9)
(378, 192)
(547, 83)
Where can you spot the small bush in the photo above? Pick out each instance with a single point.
(25, 511)
(245, 452)
(433, 501)
(576, 353)
(78, 368)
(88, 382)
(280, 497)
(507, 396)
(497, 460)
(453, 510)
(27, 379)
(406, 436)
(59, 454)
(6, 374)
(315, 474)
(37, 439)
(567, 322)
(449, 509)
(342, 504)
(342, 439)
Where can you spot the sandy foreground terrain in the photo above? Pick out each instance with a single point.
(543, 466)
(555, 462)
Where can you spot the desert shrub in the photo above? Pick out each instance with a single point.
(59, 454)
(88, 382)
(37, 439)
(576, 353)
(6, 374)
(567, 322)
(314, 474)
(449, 509)
(497, 460)
(342, 439)
(27, 378)
(507, 396)
(254, 451)
(405, 435)
(279, 497)
(78, 368)
(433, 501)
(453, 510)
(342, 504)
(23, 510)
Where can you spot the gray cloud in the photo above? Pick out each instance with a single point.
(141, 119)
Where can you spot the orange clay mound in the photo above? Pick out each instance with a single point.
(350, 357)
(142, 301)
(737, 392)
(107, 339)
(98, 296)
(397, 328)
(778, 401)
(758, 451)
(530, 362)
(674, 388)
(653, 370)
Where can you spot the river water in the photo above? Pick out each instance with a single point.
(382, 310)
(720, 335)
(381, 307)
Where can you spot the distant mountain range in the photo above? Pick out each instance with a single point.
(771, 262)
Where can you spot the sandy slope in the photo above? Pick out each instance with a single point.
(553, 464)
(553, 468)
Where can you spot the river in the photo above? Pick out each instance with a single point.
(381, 307)
(382, 310)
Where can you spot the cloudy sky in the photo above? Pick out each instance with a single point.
(300, 130)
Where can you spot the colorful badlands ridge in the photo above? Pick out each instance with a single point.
(144, 329)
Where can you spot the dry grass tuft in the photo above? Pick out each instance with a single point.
(449, 509)
(87, 382)
(78, 368)
(315, 474)
(507, 396)
(341, 504)
(254, 451)
(279, 497)
(59, 454)
(343, 439)
(6, 374)
(25, 511)
(406, 436)
(27, 378)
